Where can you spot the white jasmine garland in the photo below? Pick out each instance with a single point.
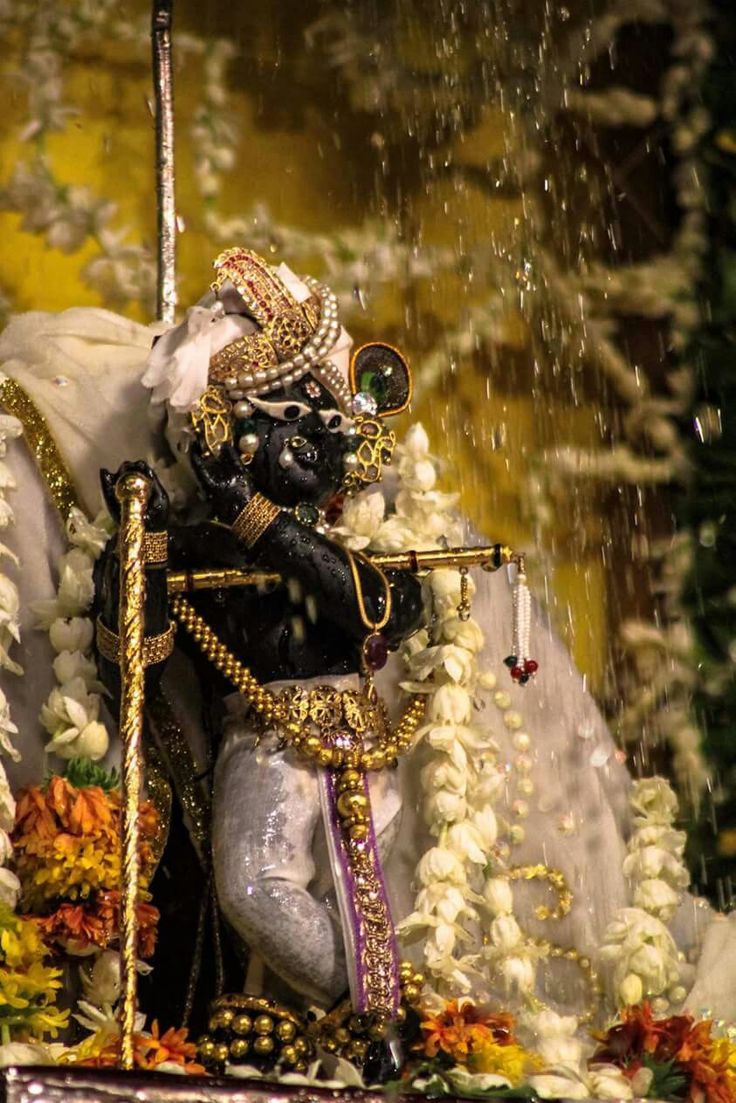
(638, 948)
(71, 713)
(461, 778)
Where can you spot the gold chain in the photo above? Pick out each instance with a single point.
(275, 710)
(372, 626)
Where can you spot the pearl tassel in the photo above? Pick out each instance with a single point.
(521, 666)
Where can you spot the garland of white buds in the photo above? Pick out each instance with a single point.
(457, 898)
(638, 947)
(71, 713)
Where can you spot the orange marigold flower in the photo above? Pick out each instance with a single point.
(73, 922)
(707, 1063)
(108, 909)
(462, 1029)
(150, 1051)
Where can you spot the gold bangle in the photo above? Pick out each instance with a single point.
(155, 648)
(254, 519)
(155, 548)
(367, 622)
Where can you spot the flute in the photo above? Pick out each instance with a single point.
(489, 558)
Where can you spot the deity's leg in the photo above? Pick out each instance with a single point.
(266, 809)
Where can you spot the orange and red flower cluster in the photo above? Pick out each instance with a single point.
(678, 1045)
(151, 1051)
(67, 856)
(482, 1041)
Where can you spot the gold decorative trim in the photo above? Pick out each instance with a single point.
(254, 518)
(155, 648)
(158, 791)
(155, 548)
(180, 761)
(51, 465)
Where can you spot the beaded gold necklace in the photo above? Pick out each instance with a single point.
(278, 710)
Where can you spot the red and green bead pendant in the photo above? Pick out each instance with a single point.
(521, 670)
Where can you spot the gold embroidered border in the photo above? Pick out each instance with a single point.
(181, 765)
(376, 927)
(53, 469)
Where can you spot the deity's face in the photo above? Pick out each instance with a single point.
(303, 439)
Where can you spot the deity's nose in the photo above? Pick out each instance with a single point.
(305, 450)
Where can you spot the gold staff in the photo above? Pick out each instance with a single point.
(490, 558)
(132, 492)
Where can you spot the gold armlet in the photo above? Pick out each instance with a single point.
(254, 519)
(155, 548)
(155, 648)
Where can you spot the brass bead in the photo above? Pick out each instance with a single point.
(357, 1050)
(350, 779)
(285, 1030)
(352, 804)
(312, 745)
(263, 1046)
(406, 970)
(289, 1055)
(377, 1029)
(419, 979)
(263, 1024)
(242, 1024)
(411, 993)
(302, 1046)
(329, 1045)
(351, 760)
(358, 832)
(239, 1047)
(220, 1020)
(342, 1035)
(206, 1048)
(391, 750)
(221, 1053)
(324, 756)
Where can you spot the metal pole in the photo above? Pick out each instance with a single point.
(132, 492)
(163, 88)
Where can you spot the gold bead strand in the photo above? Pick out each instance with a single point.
(223, 660)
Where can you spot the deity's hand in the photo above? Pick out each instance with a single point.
(225, 481)
(157, 510)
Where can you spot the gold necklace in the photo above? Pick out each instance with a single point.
(374, 649)
(281, 711)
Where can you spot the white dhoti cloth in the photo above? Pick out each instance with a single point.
(272, 865)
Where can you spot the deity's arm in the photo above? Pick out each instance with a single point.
(346, 589)
(339, 581)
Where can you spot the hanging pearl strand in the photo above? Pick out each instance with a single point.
(521, 666)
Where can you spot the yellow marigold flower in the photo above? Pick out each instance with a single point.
(512, 1061)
